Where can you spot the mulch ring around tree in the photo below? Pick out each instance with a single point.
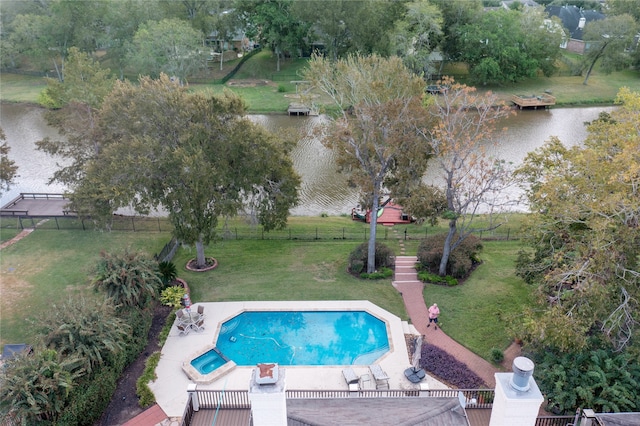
(210, 263)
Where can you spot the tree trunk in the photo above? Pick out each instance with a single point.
(604, 46)
(200, 259)
(446, 249)
(373, 225)
(221, 54)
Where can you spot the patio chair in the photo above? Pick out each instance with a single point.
(199, 326)
(381, 378)
(351, 378)
(201, 310)
(183, 329)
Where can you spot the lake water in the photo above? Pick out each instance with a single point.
(324, 189)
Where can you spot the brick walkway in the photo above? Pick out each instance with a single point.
(17, 238)
(407, 283)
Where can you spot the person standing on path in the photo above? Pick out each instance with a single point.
(434, 311)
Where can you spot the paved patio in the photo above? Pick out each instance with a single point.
(170, 388)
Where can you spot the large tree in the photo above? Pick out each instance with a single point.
(584, 235)
(170, 46)
(273, 24)
(416, 35)
(472, 180)
(608, 41)
(195, 155)
(509, 45)
(74, 105)
(375, 134)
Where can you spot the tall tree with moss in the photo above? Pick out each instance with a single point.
(472, 180)
(584, 235)
(374, 136)
(195, 155)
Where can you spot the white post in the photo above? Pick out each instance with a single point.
(193, 396)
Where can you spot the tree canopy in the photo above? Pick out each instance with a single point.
(584, 235)
(609, 38)
(509, 45)
(193, 154)
(464, 128)
(375, 135)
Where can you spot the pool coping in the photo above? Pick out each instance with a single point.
(205, 379)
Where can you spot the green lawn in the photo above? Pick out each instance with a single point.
(49, 266)
(476, 313)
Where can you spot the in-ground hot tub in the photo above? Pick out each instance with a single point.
(207, 365)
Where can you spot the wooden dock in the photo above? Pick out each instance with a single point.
(37, 205)
(533, 101)
(298, 109)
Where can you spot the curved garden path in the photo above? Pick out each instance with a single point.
(411, 289)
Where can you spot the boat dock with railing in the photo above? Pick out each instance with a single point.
(533, 101)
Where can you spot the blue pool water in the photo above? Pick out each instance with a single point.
(304, 338)
(208, 361)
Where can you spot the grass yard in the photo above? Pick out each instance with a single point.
(476, 313)
(49, 266)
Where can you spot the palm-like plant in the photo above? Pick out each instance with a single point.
(88, 330)
(35, 387)
(129, 279)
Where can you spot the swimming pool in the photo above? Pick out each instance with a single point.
(303, 338)
(207, 365)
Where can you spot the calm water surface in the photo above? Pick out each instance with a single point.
(323, 189)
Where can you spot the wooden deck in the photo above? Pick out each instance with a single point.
(37, 205)
(533, 101)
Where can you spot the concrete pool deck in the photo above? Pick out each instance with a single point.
(170, 387)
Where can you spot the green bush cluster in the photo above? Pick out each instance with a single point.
(357, 262)
(147, 398)
(461, 260)
(428, 277)
(88, 344)
(496, 355)
(377, 275)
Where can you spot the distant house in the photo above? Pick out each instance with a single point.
(526, 3)
(575, 20)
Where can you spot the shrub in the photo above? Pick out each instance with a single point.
(281, 88)
(378, 275)
(147, 398)
(461, 260)
(497, 356)
(168, 272)
(90, 398)
(358, 258)
(172, 296)
(449, 369)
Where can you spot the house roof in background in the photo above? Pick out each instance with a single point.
(570, 17)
